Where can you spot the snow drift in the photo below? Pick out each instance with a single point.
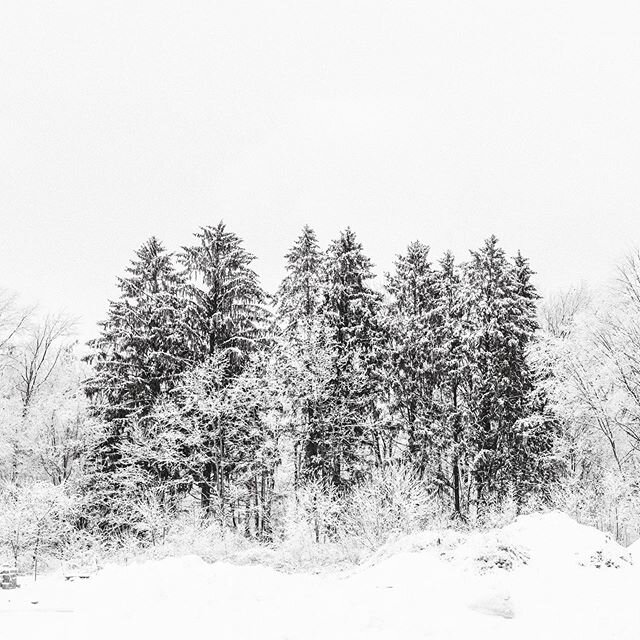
(544, 576)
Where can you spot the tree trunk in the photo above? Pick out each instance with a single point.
(456, 454)
(205, 488)
(456, 485)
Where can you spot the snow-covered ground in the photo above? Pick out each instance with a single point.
(543, 577)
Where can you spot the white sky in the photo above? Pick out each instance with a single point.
(443, 121)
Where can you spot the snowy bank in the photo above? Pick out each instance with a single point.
(544, 576)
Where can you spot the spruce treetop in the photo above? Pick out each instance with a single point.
(300, 293)
(413, 285)
(226, 299)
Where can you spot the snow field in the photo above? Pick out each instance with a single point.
(544, 576)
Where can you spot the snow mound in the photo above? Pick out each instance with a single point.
(555, 538)
(634, 550)
(493, 602)
(489, 551)
(442, 542)
(536, 578)
(540, 538)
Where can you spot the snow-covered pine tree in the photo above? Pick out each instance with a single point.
(305, 352)
(217, 430)
(253, 444)
(226, 308)
(299, 296)
(143, 345)
(451, 363)
(533, 467)
(411, 361)
(499, 323)
(351, 310)
(226, 303)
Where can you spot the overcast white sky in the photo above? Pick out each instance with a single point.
(443, 121)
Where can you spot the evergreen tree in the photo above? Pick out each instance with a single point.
(305, 352)
(412, 356)
(299, 297)
(500, 322)
(198, 390)
(226, 303)
(351, 310)
(532, 466)
(227, 310)
(143, 345)
(452, 364)
(221, 422)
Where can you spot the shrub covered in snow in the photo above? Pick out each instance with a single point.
(392, 502)
(555, 538)
(34, 522)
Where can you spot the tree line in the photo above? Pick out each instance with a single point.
(206, 385)
(335, 411)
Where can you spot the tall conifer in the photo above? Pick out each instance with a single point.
(143, 344)
(305, 352)
(226, 302)
(351, 310)
(412, 355)
(226, 308)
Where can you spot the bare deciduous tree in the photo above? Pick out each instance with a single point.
(560, 310)
(33, 360)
